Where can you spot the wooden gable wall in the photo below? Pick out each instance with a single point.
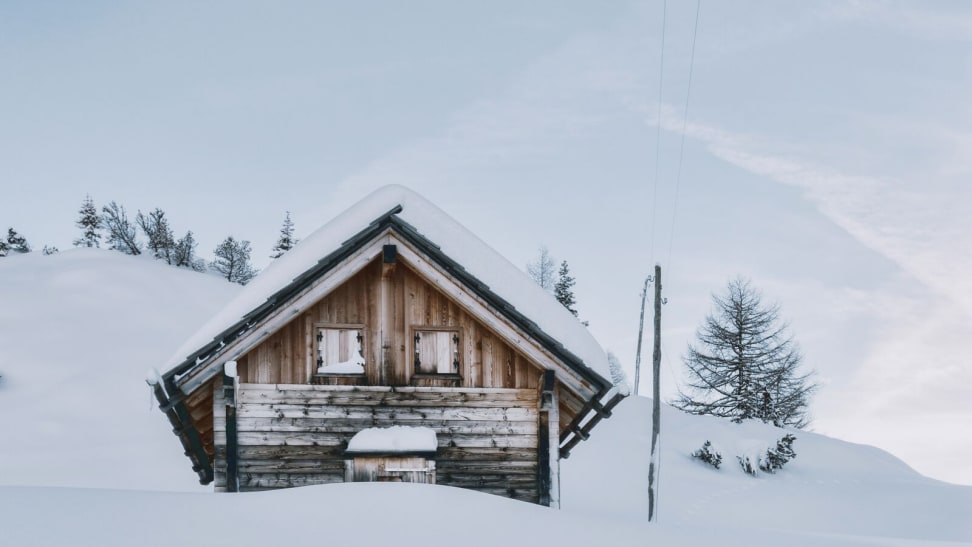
(401, 299)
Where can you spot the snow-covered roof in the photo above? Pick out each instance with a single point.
(397, 438)
(455, 241)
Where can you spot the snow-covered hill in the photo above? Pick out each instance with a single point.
(78, 331)
(832, 486)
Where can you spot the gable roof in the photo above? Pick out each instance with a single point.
(436, 234)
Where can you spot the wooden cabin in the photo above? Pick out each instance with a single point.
(391, 316)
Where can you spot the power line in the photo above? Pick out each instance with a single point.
(681, 147)
(661, 74)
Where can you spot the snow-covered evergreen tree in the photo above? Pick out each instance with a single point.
(16, 242)
(777, 457)
(233, 261)
(286, 240)
(184, 254)
(542, 269)
(708, 455)
(745, 364)
(49, 250)
(4, 248)
(160, 239)
(121, 232)
(90, 223)
(564, 288)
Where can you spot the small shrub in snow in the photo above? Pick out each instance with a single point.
(707, 455)
(777, 457)
(16, 242)
(233, 261)
(747, 465)
(121, 231)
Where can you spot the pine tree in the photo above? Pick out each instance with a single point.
(160, 239)
(563, 288)
(90, 222)
(17, 242)
(286, 240)
(184, 253)
(121, 232)
(542, 269)
(745, 365)
(49, 250)
(4, 248)
(233, 261)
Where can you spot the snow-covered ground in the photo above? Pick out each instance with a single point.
(78, 331)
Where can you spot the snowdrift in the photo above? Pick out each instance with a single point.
(832, 486)
(78, 331)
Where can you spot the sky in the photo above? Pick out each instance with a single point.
(822, 150)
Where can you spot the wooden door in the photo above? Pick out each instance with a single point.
(390, 469)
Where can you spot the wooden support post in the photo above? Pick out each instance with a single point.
(653, 465)
(641, 330)
(231, 383)
(386, 313)
(548, 467)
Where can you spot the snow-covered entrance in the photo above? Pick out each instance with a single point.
(392, 454)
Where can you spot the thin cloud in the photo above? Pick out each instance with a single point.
(912, 18)
(925, 232)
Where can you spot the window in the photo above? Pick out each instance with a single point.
(436, 351)
(339, 349)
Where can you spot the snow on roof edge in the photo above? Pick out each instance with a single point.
(455, 241)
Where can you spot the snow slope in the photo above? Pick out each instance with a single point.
(350, 515)
(832, 486)
(78, 331)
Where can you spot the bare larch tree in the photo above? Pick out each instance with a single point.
(745, 365)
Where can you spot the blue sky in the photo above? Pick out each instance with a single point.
(827, 154)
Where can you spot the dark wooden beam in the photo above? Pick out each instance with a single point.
(232, 438)
(583, 433)
(548, 445)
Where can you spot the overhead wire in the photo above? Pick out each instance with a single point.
(681, 147)
(661, 75)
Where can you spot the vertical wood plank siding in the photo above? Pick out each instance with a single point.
(295, 435)
(485, 360)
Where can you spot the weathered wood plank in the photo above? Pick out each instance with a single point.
(313, 425)
(389, 414)
(523, 466)
(291, 466)
(485, 480)
(248, 438)
(256, 387)
(286, 480)
(254, 453)
(382, 399)
(499, 454)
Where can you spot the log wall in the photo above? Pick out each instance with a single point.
(296, 435)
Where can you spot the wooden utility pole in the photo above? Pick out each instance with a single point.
(641, 331)
(653, 466)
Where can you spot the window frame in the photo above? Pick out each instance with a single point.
(456, 364)
(315, 351)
